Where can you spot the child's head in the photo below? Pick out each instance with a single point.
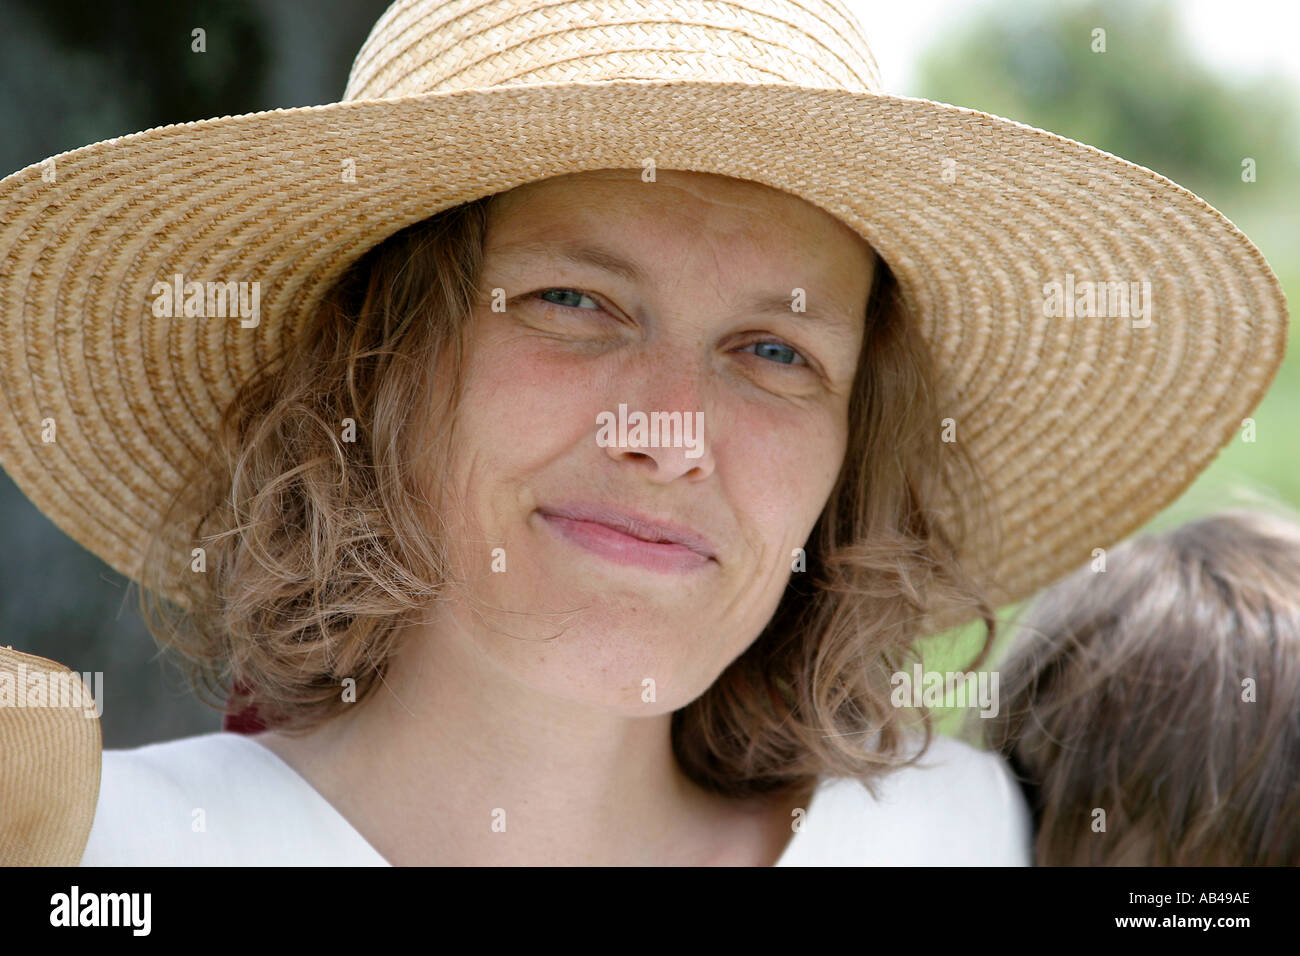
(1164, 691)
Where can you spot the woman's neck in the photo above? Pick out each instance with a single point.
(451, 761)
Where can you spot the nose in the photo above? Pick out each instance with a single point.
(660, 424)
(666, 463)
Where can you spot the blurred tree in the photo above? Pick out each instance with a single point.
(1147, 99)
(125, 67)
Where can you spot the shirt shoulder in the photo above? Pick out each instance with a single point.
(956, 806)
(216, 799)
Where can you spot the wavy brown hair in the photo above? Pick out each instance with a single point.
(1124, 692)
(318, 548)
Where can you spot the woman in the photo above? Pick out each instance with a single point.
(480, 631)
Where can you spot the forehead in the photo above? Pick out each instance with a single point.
(684, 223)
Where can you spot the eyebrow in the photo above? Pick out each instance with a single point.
(589, 255)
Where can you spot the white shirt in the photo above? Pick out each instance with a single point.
(223, 799)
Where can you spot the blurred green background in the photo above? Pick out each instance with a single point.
(74, 73)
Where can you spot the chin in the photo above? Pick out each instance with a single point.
(604, 666)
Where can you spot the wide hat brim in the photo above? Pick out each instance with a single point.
(51, 747)
(1083, 427)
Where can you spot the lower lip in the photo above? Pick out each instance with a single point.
(623, 548)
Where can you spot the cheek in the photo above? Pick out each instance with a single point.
(520, 405)
(517, 413)
(780, 465)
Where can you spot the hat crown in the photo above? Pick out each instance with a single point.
(428, 46)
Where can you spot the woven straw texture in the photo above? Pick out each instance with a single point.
(1083, 427)
(49, 768)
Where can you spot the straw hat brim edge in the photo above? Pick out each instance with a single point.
(913, 115)
(49, 790)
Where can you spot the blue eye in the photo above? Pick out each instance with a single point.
(777, 352)
(567, 293)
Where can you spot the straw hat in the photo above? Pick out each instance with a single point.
(1084, 426)
(49, 781)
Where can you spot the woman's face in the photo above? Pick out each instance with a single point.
(677, 295)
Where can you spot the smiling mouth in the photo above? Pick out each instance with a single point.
(624, 540)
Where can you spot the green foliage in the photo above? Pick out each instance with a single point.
(1147, 99)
